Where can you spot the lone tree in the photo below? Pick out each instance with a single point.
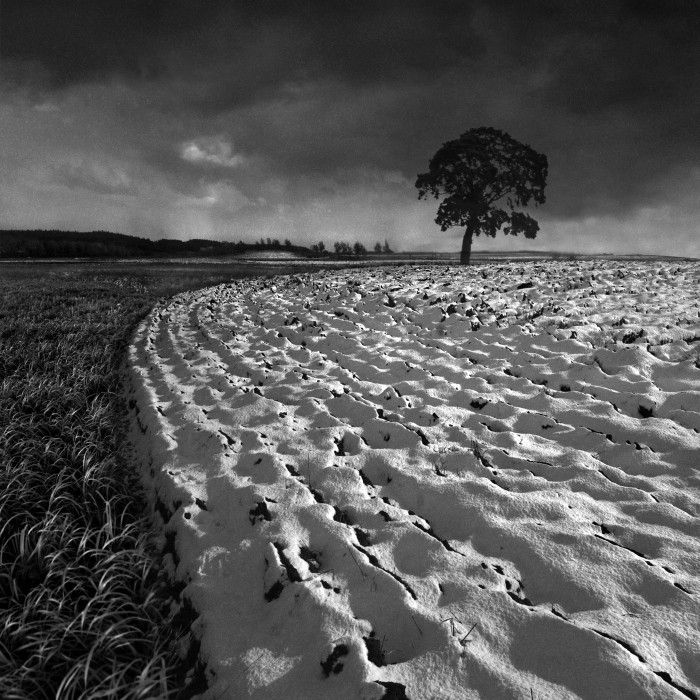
(479, 174)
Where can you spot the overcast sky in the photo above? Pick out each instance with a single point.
(310, 120)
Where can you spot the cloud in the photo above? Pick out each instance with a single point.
(81, 173)
(220, 196)
(213, 150)
(75, 41)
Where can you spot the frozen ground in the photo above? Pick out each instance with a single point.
(433, 481)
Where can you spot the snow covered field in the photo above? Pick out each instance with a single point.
(433, 482)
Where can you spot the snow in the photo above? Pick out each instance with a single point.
(446, 482)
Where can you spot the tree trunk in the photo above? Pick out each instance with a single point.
(466, 253)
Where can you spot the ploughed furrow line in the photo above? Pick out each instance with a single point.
(432, 482)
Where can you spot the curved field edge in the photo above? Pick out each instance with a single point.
(84, 608)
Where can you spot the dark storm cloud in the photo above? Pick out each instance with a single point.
(263, 43)
(602, 54)
(608, 90)
(70, 41)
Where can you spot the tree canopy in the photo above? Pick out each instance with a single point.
(483, 176)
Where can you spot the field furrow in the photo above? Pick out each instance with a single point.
(445, 482)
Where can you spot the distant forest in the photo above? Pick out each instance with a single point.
(104, 244)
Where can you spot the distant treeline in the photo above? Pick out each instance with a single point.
(104, 244)
(344, 249)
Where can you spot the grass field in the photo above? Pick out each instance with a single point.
(83, 609)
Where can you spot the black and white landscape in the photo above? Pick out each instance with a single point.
(349, 350)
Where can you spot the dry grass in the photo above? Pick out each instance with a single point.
(84, 611)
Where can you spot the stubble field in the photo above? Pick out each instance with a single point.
(432, 482)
